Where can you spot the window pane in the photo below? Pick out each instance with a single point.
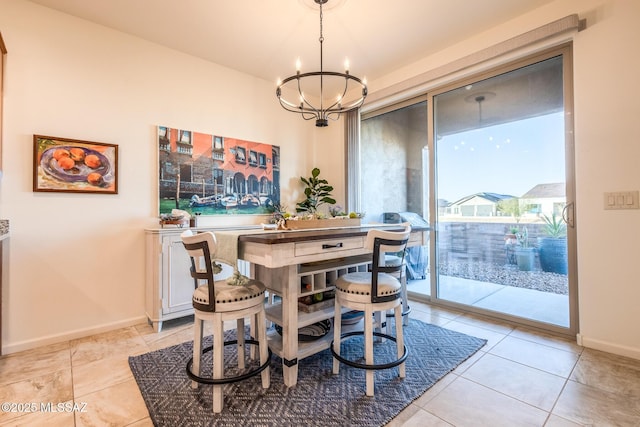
(391, 156)
(500, 171)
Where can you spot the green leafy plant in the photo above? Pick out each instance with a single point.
(523, 237)
(513, 207)
(510, 207)
(554, 226)
(318, 192)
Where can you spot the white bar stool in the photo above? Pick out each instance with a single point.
(373, 292)
(218, 301)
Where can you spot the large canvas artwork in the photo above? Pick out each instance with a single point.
(216, 175)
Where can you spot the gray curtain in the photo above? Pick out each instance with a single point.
(352, 160)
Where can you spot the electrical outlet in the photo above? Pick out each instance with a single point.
(621, 200)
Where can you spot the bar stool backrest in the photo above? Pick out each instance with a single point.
(381, 242)
(201, 247)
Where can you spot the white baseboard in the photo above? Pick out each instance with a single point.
(72, 335)
(609, 347)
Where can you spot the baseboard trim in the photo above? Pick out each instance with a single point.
(608, 347)
(72, 335)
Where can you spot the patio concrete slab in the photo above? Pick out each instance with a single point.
(466, 291)
(527, 303)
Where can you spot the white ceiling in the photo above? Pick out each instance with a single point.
(263, 38)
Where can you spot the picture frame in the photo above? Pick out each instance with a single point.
(209, 174)
(74, 166)
(3, 54)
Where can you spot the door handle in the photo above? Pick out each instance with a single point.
(566, 217)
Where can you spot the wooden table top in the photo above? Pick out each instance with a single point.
(289, 236)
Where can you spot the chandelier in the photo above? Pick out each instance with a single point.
(317, 106)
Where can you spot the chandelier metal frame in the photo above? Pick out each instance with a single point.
(334, 108)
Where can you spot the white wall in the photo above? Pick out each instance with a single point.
(606, 70)
(607, 67)
(76, 261)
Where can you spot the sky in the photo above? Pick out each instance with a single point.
(508, 159)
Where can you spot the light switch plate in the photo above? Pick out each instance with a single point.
(621, 200)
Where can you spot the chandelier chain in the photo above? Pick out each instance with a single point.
(321, 15)
(321, 68)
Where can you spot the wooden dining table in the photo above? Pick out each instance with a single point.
(297, 263)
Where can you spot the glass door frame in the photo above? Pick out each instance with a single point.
(567, 62)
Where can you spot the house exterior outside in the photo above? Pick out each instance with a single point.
(477, 205)
(542, 199)
(545, 199)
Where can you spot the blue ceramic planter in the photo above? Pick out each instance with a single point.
(553, 255)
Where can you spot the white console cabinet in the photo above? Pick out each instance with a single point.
(169, 285)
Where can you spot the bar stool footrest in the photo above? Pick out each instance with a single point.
(228, 380)
(365, 366)
(407, 311)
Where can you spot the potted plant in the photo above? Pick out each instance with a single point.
(553, 247)
(510, 236)
(510, 244)
(318, 192)
(525, 255)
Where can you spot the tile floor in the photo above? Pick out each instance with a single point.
(520, 378)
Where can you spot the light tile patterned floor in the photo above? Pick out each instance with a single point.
(520, 378)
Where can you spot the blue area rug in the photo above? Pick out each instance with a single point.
(318, 399)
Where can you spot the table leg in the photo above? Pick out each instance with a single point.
(284, 282)
(290, 293)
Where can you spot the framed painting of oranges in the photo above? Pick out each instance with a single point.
(74, 166)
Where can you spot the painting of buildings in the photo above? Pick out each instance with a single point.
(216, 175)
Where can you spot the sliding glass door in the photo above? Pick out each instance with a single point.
(487, 163)
(504, 193)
